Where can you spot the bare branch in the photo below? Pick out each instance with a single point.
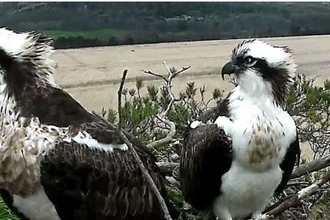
(312, 166)
(303, 169)
(145, 172)
(172, 73)
(169, 72)
(165, 140)
(292, 201)
(166, 168)
(150, 181)
(169, 85)
(120, 92)
(180, 71)
(155, 74)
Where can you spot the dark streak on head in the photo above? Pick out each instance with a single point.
(6, 61)
(278, 78)
(238, 51)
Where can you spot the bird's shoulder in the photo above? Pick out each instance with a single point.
(206, 155)
(53, 106)
(221, 109)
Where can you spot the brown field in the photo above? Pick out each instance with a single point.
(92, 75)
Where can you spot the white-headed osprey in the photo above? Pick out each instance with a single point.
(237, 155)
(57, 160)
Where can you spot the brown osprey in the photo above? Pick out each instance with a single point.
(238, 154)
(57, 160)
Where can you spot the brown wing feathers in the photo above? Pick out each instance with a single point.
(206, 156)
(91, 184)
(82, 182)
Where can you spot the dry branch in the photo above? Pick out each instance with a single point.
(171, 74)
(310, 167)
(120, 92)
(145, 172)
(294, 200)
(166, 168)
(303, 169)
(165, 140)
(155, 74)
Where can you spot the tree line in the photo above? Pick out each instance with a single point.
(146, 22)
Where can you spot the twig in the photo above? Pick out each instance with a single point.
(150, 181)
(165, 140)
(120, 92)
(166, 168)
(299, 196)
(145, 172)
(163, 115)
(171, 76)
(155, 74)
(312, 166)
(169, 72)
(303, 169)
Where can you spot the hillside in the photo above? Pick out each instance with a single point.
(110, 23)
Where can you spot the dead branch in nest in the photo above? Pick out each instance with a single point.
(165, 140)
(166, 168)
(145, 172)
(294, 200)
(120, 92)
(171, 74)
(303, 169)
(312, 166)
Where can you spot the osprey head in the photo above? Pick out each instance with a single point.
(24, 62)
(262, 69)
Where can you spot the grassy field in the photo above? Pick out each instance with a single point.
(99, 33)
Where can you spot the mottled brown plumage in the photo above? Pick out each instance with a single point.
(90, 184)
(61, 155)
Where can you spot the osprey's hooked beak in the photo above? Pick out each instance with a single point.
(229, 68)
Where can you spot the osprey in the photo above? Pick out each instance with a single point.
(57, 160)
(237, 155)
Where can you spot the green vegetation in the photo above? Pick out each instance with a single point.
(307, 103)
(141, 116)
(97, 24)
(5, 213)
(115, 23)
